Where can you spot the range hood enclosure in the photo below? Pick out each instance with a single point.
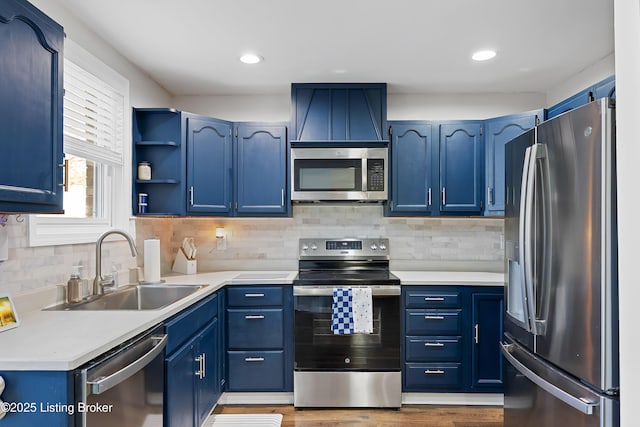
(345, 113)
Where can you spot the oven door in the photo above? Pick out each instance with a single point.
(318, 349)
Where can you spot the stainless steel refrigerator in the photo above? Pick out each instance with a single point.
(561, 299)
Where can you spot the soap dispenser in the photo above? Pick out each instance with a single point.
(74, 286)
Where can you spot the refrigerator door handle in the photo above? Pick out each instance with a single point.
(577, 403)
(524, 237)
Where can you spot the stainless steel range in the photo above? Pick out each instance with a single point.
(350, 370)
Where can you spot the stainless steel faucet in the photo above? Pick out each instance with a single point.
(99, 283)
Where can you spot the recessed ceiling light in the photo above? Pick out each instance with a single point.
(250, 58)
(483, 55)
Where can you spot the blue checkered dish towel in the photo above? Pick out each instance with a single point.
(342, 311)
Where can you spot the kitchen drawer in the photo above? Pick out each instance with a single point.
(433, 299)
(433, 349)
(254, 296)
(433, 376)
(256, 370)
(433, 322)
(185, 324)
(256, 328)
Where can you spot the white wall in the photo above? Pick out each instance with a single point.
(583, 79)
(627, 40)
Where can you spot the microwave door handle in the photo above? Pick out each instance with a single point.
(365, 184)
(524, 278)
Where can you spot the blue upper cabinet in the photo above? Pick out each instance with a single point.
(339, 112)
(261, 169)
(499, 131)
(159, 138)
(209, 165)
(461, 162)
(31, 66)
(601, 89)
(414, 168)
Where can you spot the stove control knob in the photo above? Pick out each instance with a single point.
(374, 246)
(383, 247)
(314, 247)
(305, 247)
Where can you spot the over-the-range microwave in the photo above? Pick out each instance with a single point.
(339, 173)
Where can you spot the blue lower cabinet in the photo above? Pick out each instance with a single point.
(259, 338)
(32, 396)
(451, 339)
(438, 348)
(256, 370)
(434, 376)
(192, 364)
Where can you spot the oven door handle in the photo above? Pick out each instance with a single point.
(317, 291)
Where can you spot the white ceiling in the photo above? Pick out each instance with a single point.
(191, 47)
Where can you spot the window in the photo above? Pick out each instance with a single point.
(97, 154)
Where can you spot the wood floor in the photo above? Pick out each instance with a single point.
(407, 416)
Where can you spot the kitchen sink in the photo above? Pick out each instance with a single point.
(136, 297)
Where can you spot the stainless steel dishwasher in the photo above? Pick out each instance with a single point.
(125, 386)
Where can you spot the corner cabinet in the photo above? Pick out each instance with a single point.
(192, 364)
(339, 112)
(499, 131)
(209, 165)
(158, 138)
(261, 169)
(451, 339)
(31, 66)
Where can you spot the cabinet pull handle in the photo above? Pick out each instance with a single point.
(254, 316)
(204, 365)
(253, 295)
(429, 196)
(254, 359)
(282, 197)
(444, 196)
(476, 333)
(434, 299)
(65, 184)
(489, 202)
(434, 317)
(191, 195)
(434, 372)
(200, 371)
(433, 344)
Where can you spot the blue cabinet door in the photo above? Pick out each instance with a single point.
(31, 66)
(261, 169)
(600, 89)
(461, 161)
(207, 388)
(499, 131)
(180, 374)
(209, 165)
(339, 112)
(413, 181)
(486, 361)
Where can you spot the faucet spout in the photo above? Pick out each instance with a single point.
(99, 282)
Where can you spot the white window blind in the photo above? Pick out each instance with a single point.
(93, 117)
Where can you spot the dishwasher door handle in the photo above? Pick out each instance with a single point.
(103, 384)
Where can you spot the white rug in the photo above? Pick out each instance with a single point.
(248, 420)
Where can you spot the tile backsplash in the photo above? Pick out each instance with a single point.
(31, 268)
(461, 244)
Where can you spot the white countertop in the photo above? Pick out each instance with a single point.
(65, 340)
